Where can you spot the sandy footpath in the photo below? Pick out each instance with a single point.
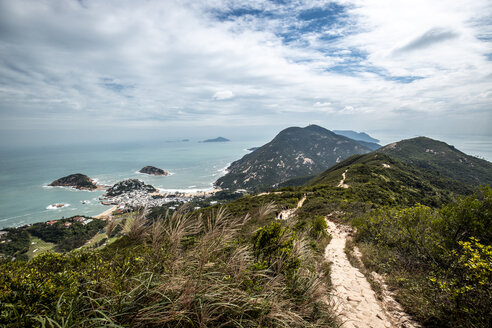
(355, 301)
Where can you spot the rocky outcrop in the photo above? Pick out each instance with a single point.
(129, 185)
(152, 170)
(77, 181)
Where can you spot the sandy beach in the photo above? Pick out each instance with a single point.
(106, 213)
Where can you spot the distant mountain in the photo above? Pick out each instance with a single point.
(294, 152)
(442, 159)
(381, 179)
(370, 145)
(361, 136)
(218, 139)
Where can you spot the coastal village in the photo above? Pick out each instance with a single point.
(128, 201)
(128, 195)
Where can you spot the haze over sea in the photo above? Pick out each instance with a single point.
(25, 172)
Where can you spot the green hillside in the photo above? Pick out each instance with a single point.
(441, 159)
(384, 180)
(294, 152)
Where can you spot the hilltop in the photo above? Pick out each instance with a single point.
(381, 179)
(441, 159)
(294, 152)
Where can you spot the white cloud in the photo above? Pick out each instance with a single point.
(223, 94)
(322, 104)
(129, 62)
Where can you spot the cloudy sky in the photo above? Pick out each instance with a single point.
(409, 67)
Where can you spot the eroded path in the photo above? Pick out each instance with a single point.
(355, 301)
(285, 214)
(342, 183)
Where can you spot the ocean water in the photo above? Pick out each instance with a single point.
(25, 173)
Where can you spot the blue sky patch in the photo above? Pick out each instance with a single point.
(234, 13)
(110, 84)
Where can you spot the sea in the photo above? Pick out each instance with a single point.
(25, 172)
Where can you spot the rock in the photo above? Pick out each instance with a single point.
(129, 185)
(153, 170)
(77, 181)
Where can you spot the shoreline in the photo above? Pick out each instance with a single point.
(106, 212)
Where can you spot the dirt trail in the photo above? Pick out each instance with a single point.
(342, 184)
(355, 301)
(301, 202)
(285, 214)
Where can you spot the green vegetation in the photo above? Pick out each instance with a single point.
(294, 152)
(183, 270)
(15, 243)
(39, 246)
(380, 179)
(441, 159)
(67, 234)
(440, 261)
(78, 180)
(61, 235)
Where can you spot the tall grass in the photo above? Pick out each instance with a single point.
(179, 270)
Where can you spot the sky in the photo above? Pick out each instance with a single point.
(91, 69)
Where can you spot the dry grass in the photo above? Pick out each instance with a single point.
(110, 227)
(135, 227)
(191, 270)
(265, 210)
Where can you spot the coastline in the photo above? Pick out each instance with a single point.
(106, 213)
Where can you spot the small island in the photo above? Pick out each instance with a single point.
(152, 170)
(129, 185)
(218, 139)
(77, 181)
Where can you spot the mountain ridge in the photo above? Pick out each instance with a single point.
(442, 159)
(294, 152)
(360, 136)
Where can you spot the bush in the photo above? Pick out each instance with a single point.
(274, 243)
(186, 270)
(439, 260)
